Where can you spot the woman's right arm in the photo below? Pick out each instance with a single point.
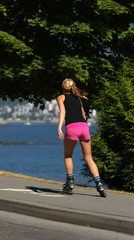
(82, 109)
(60, 101)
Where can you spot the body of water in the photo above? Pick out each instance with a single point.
(36, 151)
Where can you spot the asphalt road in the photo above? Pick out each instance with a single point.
(15, 226)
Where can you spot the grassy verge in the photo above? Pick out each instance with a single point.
(16, 175)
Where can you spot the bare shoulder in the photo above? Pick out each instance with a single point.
(61, 98)
(60, 101)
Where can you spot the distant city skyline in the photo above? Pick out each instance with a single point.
(25, 111)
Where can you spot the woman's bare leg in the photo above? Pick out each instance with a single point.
(86, 149)
(69, 146)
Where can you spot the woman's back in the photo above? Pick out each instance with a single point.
(73, 109)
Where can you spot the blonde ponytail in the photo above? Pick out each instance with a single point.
(79, 93)
(68, 85)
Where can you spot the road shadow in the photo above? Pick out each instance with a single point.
(88, 195)
(40, 190)
(48, 190)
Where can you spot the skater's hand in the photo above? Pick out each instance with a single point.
(60, 134)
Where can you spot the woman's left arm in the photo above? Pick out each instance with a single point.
(60, 101)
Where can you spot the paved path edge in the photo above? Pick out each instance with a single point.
(17, 175)
(77, 217)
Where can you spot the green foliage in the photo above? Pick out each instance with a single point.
(38, 21)
(75, 66)
(12, 44)
(113, 145)
(111, 7)
(75, 28)
(43, 42)
(3, 10)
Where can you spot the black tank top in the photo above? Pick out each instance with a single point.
(73, 109)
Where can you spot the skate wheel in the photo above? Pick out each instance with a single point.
(103, 194)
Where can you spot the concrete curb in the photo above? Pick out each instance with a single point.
(96, 220)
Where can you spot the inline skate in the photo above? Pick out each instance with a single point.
(69, 185)
(100, 187)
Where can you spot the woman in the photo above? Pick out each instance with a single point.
(76, 128)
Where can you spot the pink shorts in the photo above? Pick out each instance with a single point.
(77, 131)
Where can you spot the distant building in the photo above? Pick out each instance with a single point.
(52, 106)
(23, 110)
(94, 113)
(7, 109)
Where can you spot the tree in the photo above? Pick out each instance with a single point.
(113, 144)
(43, 42)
